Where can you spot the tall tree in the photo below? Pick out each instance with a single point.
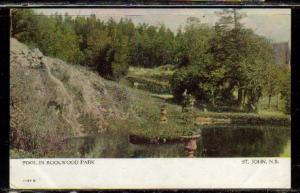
(228, 48)
(23, 24)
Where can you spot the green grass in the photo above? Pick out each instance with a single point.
(155, 80)
(163, 96)
(149, 106)
(264, 105)
(287, 150)
(149, 84)
(250, 118)
(162, 73)
(148, 126)
(175, 127)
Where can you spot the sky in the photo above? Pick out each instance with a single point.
(274, 24)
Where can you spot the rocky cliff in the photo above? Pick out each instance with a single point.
(52, 100)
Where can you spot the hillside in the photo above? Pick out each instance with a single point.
(52, 100)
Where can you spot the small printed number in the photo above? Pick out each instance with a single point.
(29, 180)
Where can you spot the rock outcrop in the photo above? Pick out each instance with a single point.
(52, 100)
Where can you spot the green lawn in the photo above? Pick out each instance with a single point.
(152, 81)
(287, 150)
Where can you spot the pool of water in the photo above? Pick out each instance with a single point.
(215, 141)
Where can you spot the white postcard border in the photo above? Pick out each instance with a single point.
(150, 173)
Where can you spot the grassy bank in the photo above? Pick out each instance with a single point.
(155, 80)
(250, 118)
(287, 150)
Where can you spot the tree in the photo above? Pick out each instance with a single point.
(286, 90)
(255, 64)
(272, 81)
(213, 63)
(196, 72)
(244, 55)
(228, 48)
(23, 24)
(107, 52)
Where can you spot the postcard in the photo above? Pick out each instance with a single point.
(150, 98)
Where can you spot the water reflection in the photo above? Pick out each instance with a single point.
(244, 141)
(215, 141)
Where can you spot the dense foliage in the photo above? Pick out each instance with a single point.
(223, 65)
(233, 67)
(108, 47)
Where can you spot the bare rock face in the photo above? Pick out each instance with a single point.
(24, 56)
(37, 53)
(57, 99)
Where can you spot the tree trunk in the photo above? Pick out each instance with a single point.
(240, 97)
(213, 98)
(270, 97)
(277, 105)
(244, 98)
